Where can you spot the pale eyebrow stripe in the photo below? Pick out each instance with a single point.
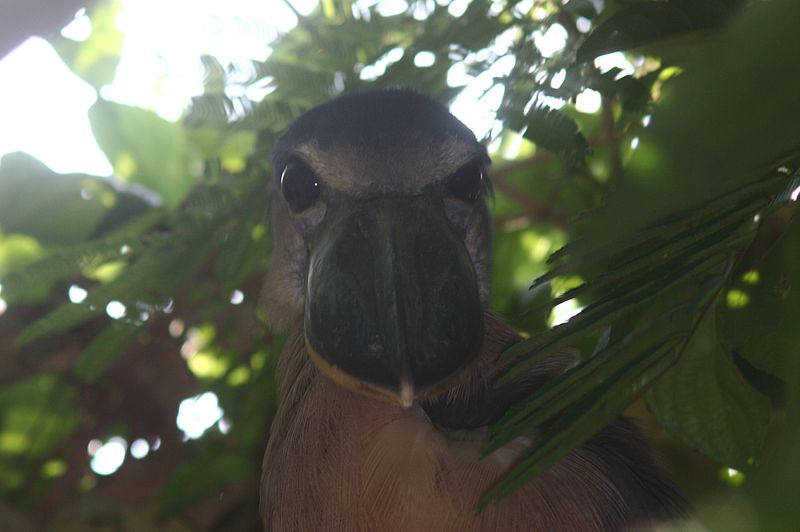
(415, 165)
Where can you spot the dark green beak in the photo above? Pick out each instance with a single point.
(392, 305)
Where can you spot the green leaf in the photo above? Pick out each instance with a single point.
(582, 418)
(205, 476)
(149, 280)
(686, 158)
(63, 208)
(666, 313)
(704, 401)
(614, 306)
(646, 23)
(582, 8)
(73, 260)
(96, 59)
(146, 149)
(581, 401)
(104, 350)
(554, 130)
(35, 414)
(762, 308)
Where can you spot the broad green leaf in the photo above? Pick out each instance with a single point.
(96, 59)
(650, 22)
(704, 401)
(761, 311)
(146, 149)
(582, 8)
(63, 208)
(686, 157)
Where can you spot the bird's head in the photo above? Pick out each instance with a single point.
(382, 242)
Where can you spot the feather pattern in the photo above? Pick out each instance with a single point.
(339, 461)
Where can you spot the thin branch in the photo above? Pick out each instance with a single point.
(294, 10)
(540, 157)
(534, 210)
(301, 19)
(612, 140)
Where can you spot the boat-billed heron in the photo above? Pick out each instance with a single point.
(381, 272)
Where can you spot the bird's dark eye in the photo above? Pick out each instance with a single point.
(299, 186)
(465, 184)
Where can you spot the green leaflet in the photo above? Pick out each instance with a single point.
(583, 418)
(148, 280)
(159, 262)
(553, 130)
(685, 207)
(665, 258)
(667, 237)
(578, 403)
(603, 312)
(72, 260)
(103, 351)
